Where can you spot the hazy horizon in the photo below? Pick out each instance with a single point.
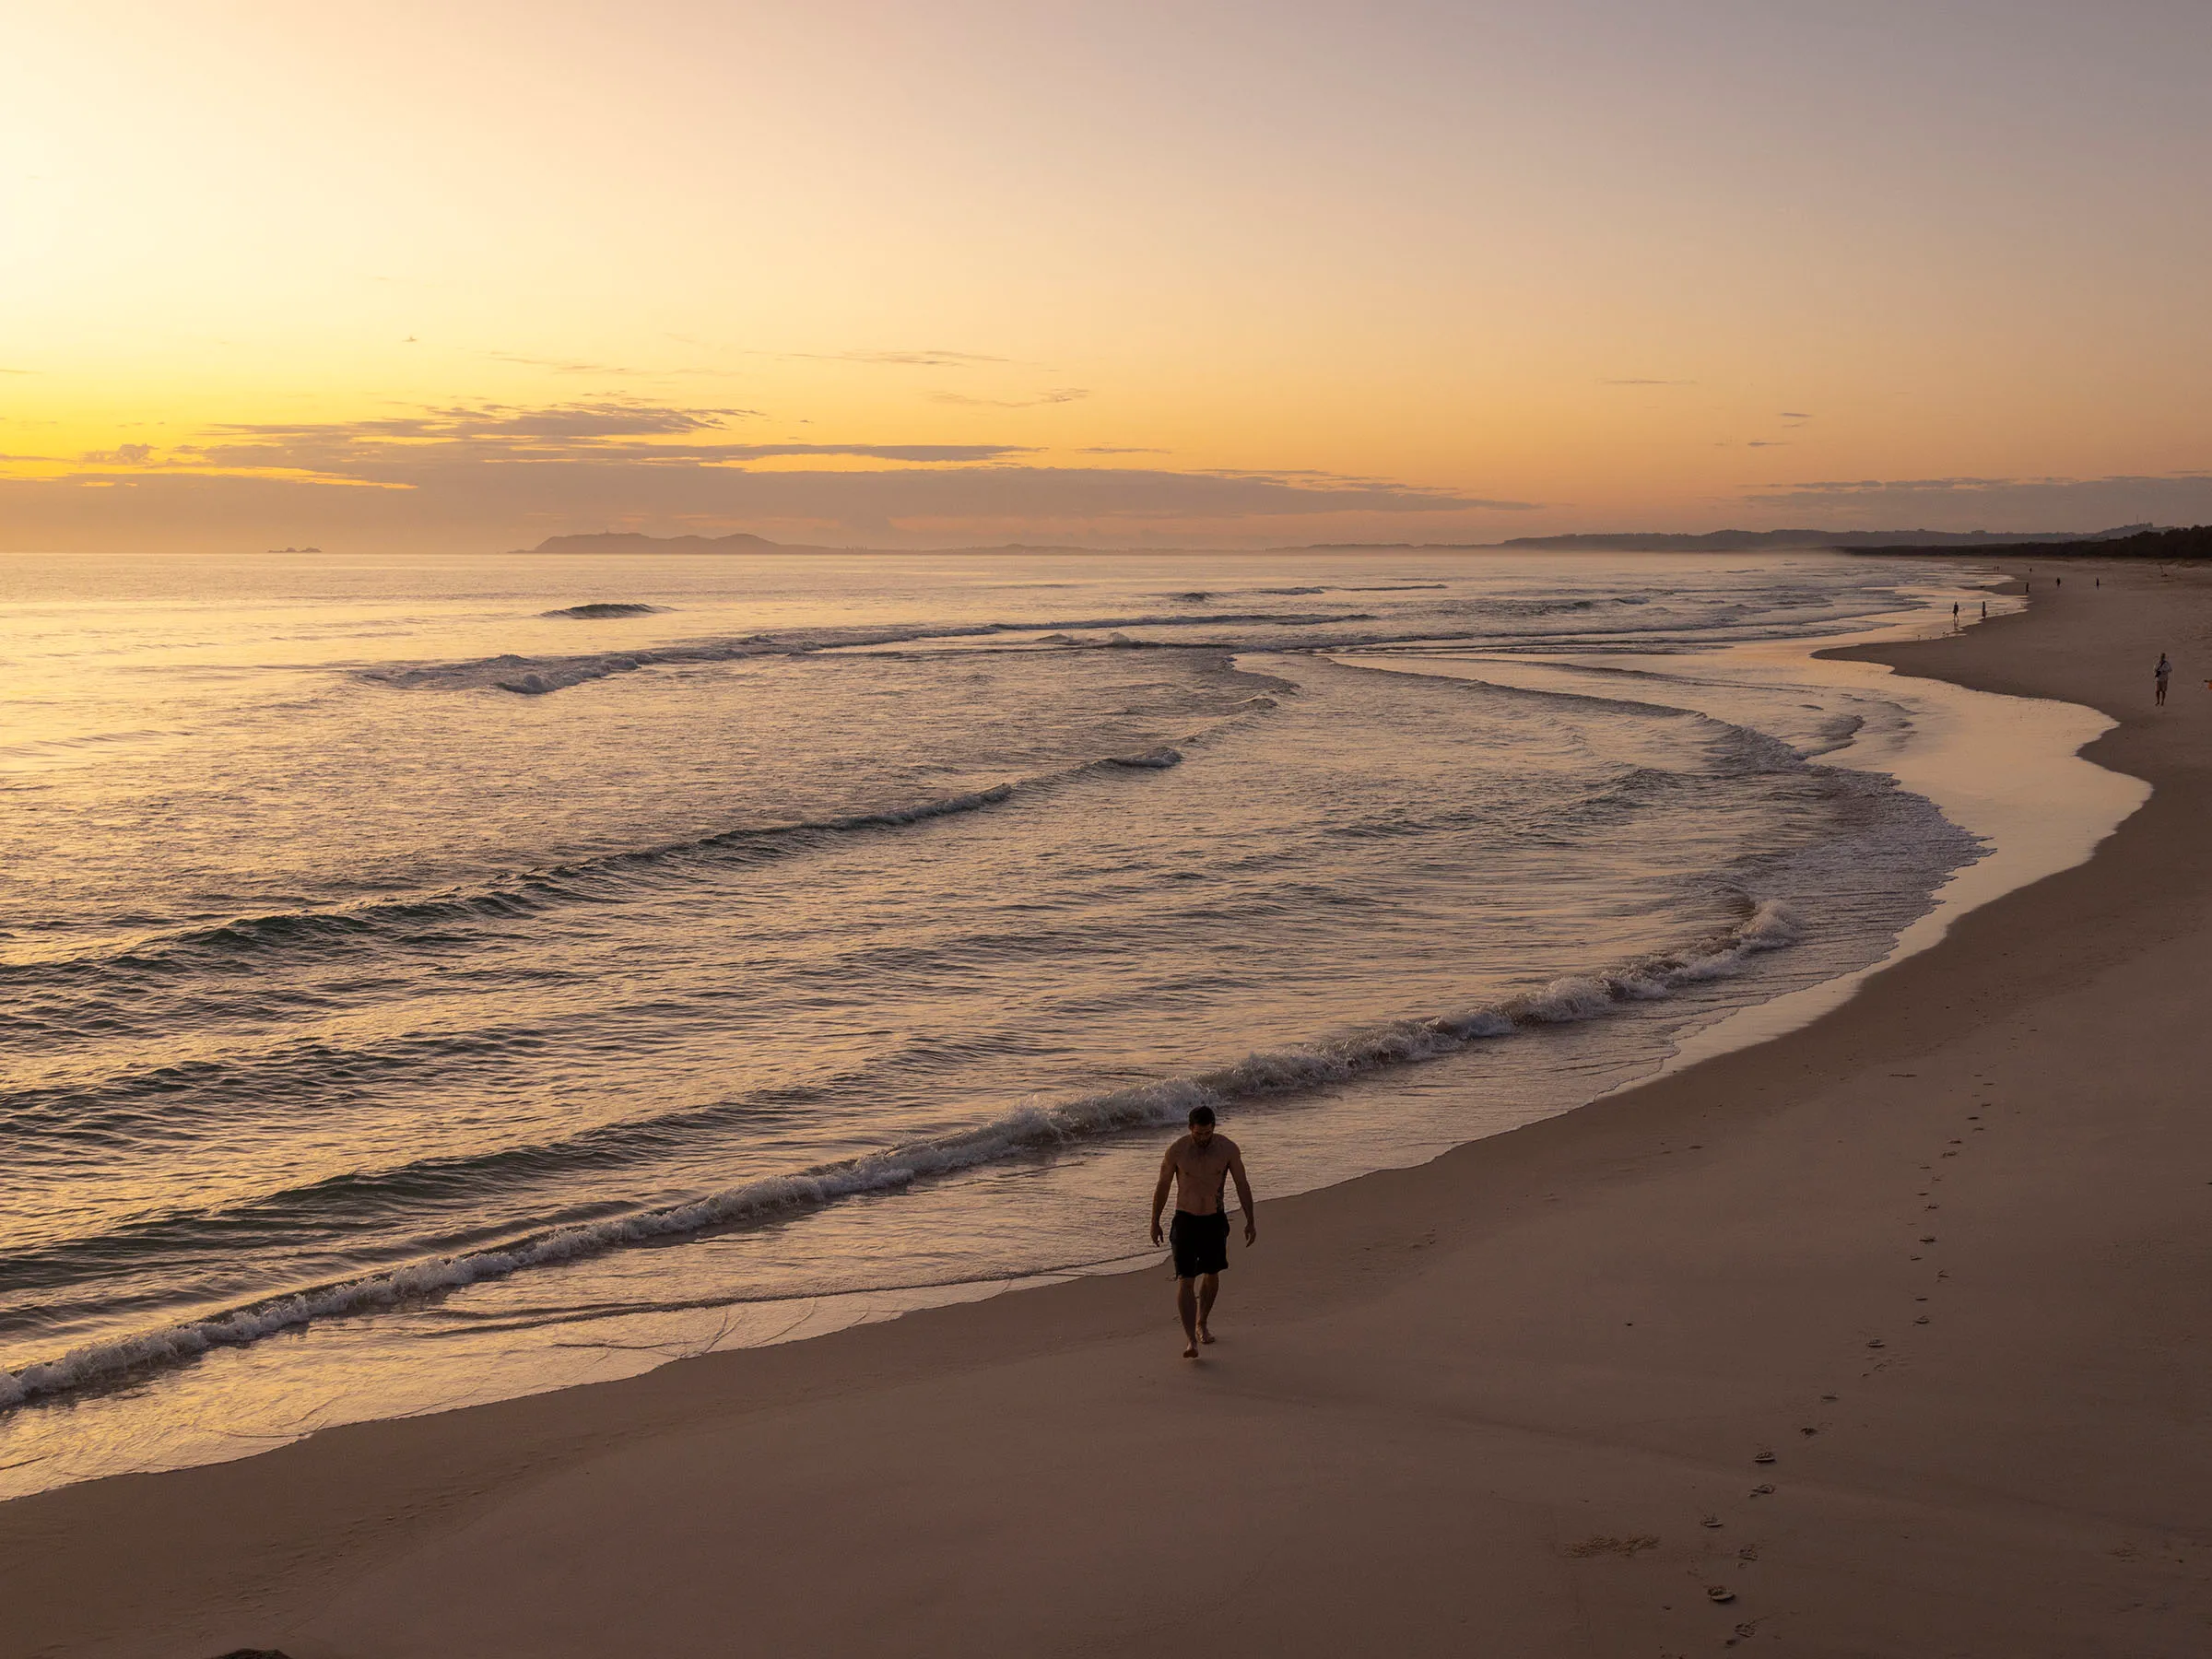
(1598, 542)
(1145, 276)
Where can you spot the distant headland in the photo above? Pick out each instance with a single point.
(1745, 541)
(1619, 541)
(2192, 541)
(635, 541)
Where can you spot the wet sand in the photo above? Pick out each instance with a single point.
(1944, 1254)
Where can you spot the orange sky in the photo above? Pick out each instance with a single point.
(446, 278)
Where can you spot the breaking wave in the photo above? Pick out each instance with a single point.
(583, 881)
(537, 676)
(1769, 926)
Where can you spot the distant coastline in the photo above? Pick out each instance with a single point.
(635, 541)
(1630, 541)
(1747, 541)
(2192, 541)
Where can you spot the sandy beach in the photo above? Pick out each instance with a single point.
(1888, 1336)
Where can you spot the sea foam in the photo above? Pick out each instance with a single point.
(1769, 926)
(591, 879)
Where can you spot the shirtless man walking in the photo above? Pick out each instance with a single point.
(1198, 1165)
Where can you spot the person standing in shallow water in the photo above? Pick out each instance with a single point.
(2163, 673)
(1198, 1166)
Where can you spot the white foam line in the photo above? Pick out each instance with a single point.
(2005, 769)
(1769, 926)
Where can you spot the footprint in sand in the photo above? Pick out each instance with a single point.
(1620, 1546)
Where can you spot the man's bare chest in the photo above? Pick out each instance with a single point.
(1202, 1171)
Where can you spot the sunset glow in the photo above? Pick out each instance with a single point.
(450, 278)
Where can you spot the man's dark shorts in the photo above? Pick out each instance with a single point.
(1200, 1242)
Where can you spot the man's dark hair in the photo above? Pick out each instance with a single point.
(1202, 1114)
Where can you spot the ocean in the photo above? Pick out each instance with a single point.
(432, 979)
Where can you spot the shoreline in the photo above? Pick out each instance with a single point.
(1997, 804)
(136, 1427)
(125, 1432)
(1489, 1379)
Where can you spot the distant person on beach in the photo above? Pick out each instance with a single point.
(1199, 1165)
(2163, 673)
(1954, 613)
(1984, 611)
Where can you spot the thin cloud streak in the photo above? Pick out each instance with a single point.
(488, 506)
(1996, 503)
(1058, 395)
(923, 357)
(901, 360)
(606, 419)
(560, 365)
(488, 473)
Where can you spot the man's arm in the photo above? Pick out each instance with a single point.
(1235, 1173)
(1159, 1188)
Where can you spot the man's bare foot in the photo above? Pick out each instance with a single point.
(1205, 1334)
(1190, 1352)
